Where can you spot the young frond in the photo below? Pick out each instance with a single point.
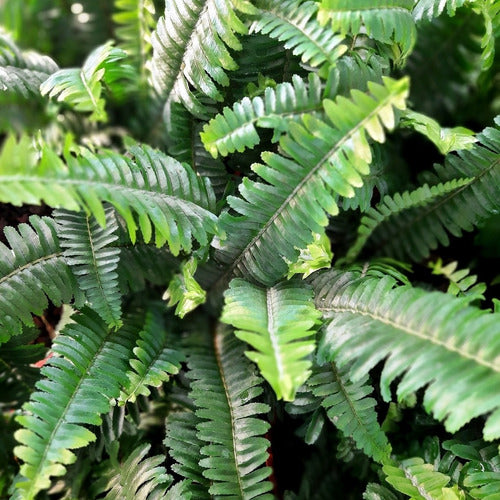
(87, 370)
(81, 88)
(191, 49)
(35, 273)
(387, 21)
(413, 331)
(92, 259)
(151, 187)
(327, 158)
(224, 389)
(235, 128)
(294, 23)
(428, 9)
(350, 409)
(278, 323)
(423, 218)
(154, 360)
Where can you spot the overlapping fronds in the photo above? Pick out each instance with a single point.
(428, 9)
(414, 332)
(278, 323)
(419, 480)
(191, 48)
(328, 158)
(92, 259)
(152, 187)
(224, 389)
(154, 360)
(81, 88)
(295, 23)
(350, 409)
(421, 220)
(235, 128)
(388, 21)
(136, 477)
(184, 447)
(35, 272)
(87, 370)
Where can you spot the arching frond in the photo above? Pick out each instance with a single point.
(151, 187)
(92, 259)
(224, 389)
(350, 409)
(294, 22)
(423, 220)
(35, 273)
(388, 21)
(191, 48)
(154, 359)
(433, 8)
(235, 128)
(135, 478)
(278, 323)
(81, 88)
(87, 370)
(328, 158)
(431, 340)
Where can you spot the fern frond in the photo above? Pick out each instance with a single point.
(328, 158)
(153, 362)
(87, 370)
(350, 409)
(376, 491)
(191, 48)
(387, 21)
(32, 274)
(428, 9)
(235, 128)
(135, 478)
(81, 88)
(184, 447)
(92, 259)
(294, 23)
(467, 195)
(278, 323)
(152, 187)
(224, 388)
(415, 331)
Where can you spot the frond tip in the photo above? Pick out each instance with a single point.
(278, 323)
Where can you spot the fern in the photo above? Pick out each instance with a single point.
(277, 322)
(433, 8)
(93, 261)
(327, 158)
(398, 325)
(158, 189)
(224, 389)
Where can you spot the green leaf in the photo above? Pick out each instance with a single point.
(278, 323)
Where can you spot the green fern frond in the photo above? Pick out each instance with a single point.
(376, 491)
(224, 388)
(35, 273)
(415, 331)
(490, 10)
(191, 48)
(294, 23)
(184, 447)
(420, 481)
(466, 196)
(328, 158)
(387, 21)
(152, 187)
(87, 370)
(154, 360)
(135, 478)
(350, 410)
(278, 323)
(429, 9)
(235, 128)
(82, 88)
(92, 259)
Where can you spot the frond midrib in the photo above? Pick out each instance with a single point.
(31, 264)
